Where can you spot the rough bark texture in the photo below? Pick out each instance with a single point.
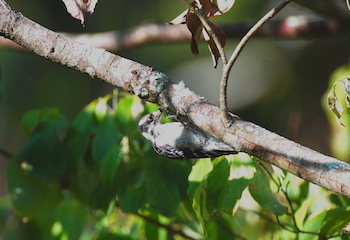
(155, 86)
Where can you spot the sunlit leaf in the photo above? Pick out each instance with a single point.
(216, 181)
(125, 116)
(313, 224)
(346, 82)
(231, 194)
(301, 213)
(339, 134)
(334, 221)
(260, 190)
(199, 170)
(334, 105)
(152, 231)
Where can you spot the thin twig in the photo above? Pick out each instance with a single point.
(6, 154)
(291, 208)
(169, 228)
(227, 68)
(223, 84)
(250, 33)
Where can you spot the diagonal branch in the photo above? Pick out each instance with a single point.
(155, 86)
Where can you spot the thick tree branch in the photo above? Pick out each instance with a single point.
(335, 9)
(156, 87)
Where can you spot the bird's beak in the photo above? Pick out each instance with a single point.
(157, 115)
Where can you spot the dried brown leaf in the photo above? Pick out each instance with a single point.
(80, 9)
(214, 51)
(334, 105)
(209, 9)
(215, 54)
(195, 26)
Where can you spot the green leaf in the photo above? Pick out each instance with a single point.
(221, 191)
(100, 107)
(260, 190)
(158, 184)
(231, 195)
(220, 228)
(30, 196)
(82, 181)
(335, 220)
(153, 231)
(199, 170)
(78, 137)
(216, 181)
(44, 155)
(38, 119)
(106, 136)
(313, 224)
(162, 192)
(128, 113)
(300, 214)
(132, 191)
(66, 221)
(108, 167)
(102, 198)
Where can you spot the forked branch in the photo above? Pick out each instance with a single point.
(227, 65)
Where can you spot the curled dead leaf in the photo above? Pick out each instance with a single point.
(208, 8)
(80, 9)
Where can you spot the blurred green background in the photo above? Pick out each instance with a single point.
(276, 83)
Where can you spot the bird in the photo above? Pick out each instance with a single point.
(181, 140)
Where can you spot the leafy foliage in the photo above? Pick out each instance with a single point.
(97, 178)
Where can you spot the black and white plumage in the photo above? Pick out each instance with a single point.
(177, 140)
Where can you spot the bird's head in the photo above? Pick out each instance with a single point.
(148, 123)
